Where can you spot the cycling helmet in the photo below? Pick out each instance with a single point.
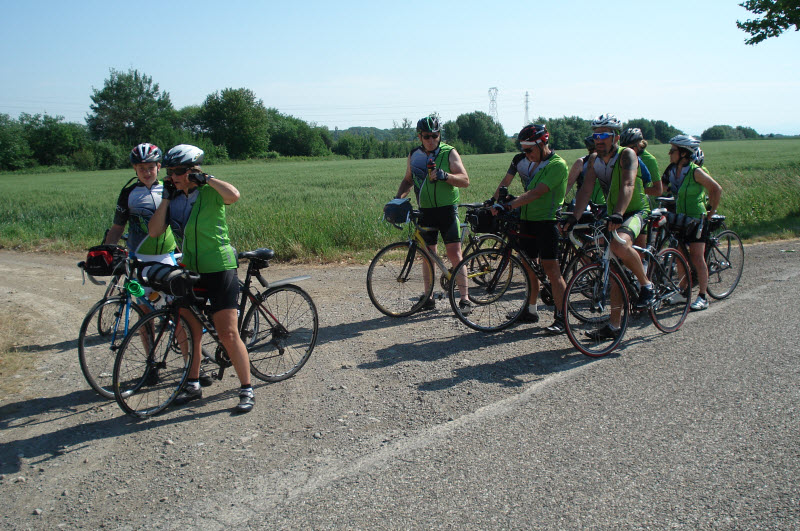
(607, 120)
(589, 142)
(686, 142)
(183, 155)
(632, 135)
(699, 157)
(534, 133)
(145, 153)
(429, 124)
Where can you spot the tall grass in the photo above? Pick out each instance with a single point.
(327, 210)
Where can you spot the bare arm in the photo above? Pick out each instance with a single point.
(655, 189)
(407, 183)
(628, 164)
(158, 222)
(585, 191)
(531, 195)
(712, 187)
(228, 192)
(458, 174)
(574, 172)
(114, 234)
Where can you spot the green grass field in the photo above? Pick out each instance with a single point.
(330, 210)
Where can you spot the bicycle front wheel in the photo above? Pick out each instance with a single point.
(396, 279)
(592, 302)
(280, 333)
(102, 332)
(725, 260)
(672, 282)
(153, 363)
(497, 289)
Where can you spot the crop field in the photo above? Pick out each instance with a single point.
(330, 210)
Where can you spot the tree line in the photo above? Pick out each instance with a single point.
(234, 124)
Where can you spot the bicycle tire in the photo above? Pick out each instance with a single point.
(587, 310)
(280, 333)
(666, 312)
(725, 260)
(498, 290)
(395, 287)
(101, 334)
(153, 363)
(115, 287)
(485, 241)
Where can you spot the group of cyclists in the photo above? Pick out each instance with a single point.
(618, 172)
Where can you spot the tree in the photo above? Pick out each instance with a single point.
(664, 131)
(480, 130)
(51, 139)
(779, 15)
(236, 119)
(129, 109)
(567, 132)
(647, 127)
(15, 153)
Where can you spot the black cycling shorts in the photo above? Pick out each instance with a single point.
(539, 239)
(221, 288)
(440, 219)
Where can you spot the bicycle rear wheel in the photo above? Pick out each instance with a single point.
(725, 260)
(396, 279)
(280, 333)
(153, 363)
(498, 290)
(486, 241)
(589, 302)
(101, 334)
(672, 282)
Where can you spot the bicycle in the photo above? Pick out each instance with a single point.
(279, 329)
(400, 276)
(724, 252)
(606, 291)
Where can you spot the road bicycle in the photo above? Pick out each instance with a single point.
(400, 276)
(605, 294)
(724, 252)
(278, 325)
(497, 282)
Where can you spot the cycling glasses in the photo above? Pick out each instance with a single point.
(602, 136)
(428, 136)
(176, 171)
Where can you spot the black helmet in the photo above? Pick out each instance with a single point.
(145, 153)
(183, 155)
(589, 142)
(429, 124)
(630, 136)
(534, 133)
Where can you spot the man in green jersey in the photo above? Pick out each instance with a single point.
(616, 168)
(544, 176)
(435, 171)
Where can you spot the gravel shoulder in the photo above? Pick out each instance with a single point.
(69, 458)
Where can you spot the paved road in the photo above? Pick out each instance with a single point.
(444, 428)
(696, 429)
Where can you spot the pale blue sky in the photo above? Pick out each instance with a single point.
(351, 63)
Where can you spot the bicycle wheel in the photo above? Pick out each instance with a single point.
(672, 301)
(280, 333)
(101, 334)
(498, 290)
(152, 363)
(396, 279)
(725, 259)
(589, 302)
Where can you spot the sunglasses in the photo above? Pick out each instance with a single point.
(433, 136)
(176, 171)
(602, 136)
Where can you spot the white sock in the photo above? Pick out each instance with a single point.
(532, 309)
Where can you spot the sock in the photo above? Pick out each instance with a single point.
(649, 285)
(532, 309)
(194, 383)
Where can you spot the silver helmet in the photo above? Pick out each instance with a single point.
(607, 120)
(183, 155)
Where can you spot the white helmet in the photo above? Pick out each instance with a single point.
(607, 120)
(686, 142)
(183, 155)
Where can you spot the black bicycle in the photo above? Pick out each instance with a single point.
(278, 325)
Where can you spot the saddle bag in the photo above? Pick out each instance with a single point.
(105, 260)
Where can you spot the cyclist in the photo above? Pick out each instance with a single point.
(616, 167)
(648, 168)
(195, 202)
(544, 177)
(696, 195)
(435, 171)
(135, 206)
(578, 171)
